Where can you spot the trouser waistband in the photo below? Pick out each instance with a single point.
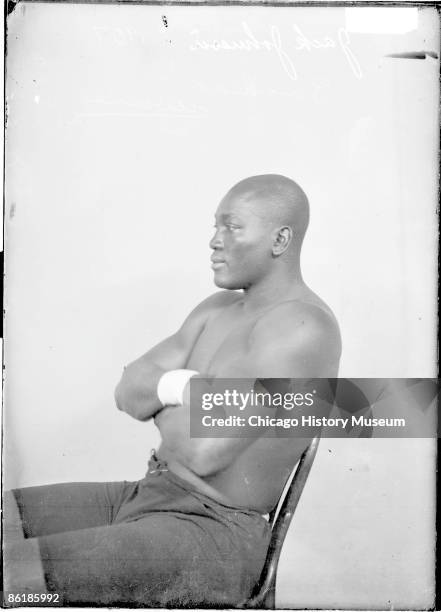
(158, 466)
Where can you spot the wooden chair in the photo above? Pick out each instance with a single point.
(263, 595)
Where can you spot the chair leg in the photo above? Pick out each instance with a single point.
(263, 601)
(269, 602)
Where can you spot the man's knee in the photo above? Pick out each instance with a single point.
(12, 523)
(22, 567)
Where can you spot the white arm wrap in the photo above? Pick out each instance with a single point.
(171, 386)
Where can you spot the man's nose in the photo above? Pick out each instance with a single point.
(216, 242)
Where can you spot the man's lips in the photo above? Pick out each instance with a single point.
(216, 263)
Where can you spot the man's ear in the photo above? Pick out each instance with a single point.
(282, 239)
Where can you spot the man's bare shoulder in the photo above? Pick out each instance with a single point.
(300, 321)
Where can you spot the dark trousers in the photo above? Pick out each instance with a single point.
(157, 542)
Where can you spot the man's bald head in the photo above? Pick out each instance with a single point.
(277, 199)
(260, 225)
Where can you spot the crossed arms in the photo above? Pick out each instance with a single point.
(289, 341)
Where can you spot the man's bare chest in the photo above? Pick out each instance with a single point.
(223, 340)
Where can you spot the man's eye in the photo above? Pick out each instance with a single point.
(228, 226)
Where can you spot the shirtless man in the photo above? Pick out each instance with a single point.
(274, 327)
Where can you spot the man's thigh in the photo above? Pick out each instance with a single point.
(164, 559)
(63, 507)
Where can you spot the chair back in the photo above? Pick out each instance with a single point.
(263, 595)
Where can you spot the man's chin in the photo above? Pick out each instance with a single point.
(225, 283)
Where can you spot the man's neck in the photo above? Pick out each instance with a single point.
(279, 287)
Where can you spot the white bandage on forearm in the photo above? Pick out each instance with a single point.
(171, 386)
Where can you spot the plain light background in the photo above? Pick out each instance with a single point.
(121, 140)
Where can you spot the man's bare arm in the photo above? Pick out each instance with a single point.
(308, 349)
(136, 393)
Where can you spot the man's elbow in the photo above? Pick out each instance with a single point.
(119, 396)
(125, 401)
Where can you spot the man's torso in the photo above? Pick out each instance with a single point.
(257, 476)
